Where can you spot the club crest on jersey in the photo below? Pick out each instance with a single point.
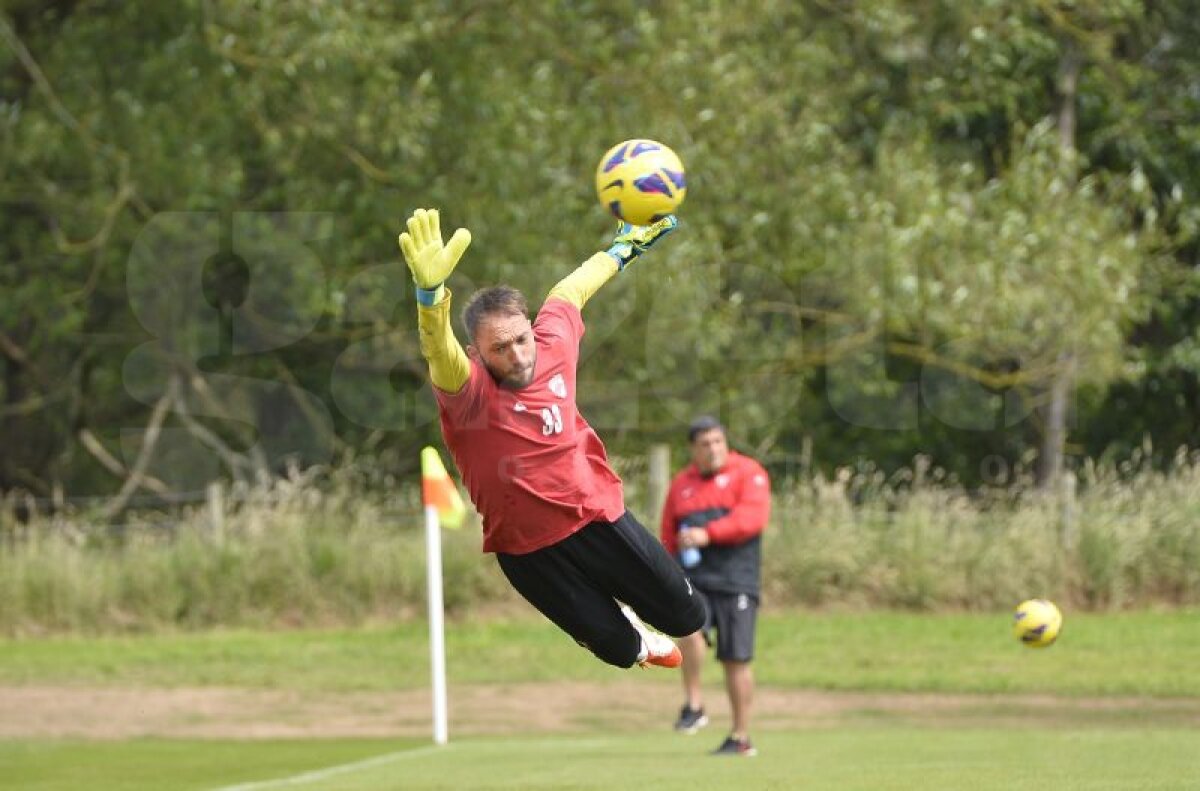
(558, 386)
(721, 481)
(519, 407)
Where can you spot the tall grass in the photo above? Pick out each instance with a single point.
(346, 546)
(1129, 536)
(318, 548)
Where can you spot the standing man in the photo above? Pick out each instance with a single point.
(713, 518)
(553, 510)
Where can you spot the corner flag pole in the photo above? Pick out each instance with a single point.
(437, 642)
(442, 506)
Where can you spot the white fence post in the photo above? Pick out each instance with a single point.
(658, 479)
(214, 495)
(1069, 488)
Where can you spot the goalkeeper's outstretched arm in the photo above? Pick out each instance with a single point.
(431, 263)
(449, 366)
(630, 242)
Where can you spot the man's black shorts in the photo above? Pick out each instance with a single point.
(576, 582)
(733, 616)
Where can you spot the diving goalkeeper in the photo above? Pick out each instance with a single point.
(553, 509)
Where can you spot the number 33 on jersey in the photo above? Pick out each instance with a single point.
(552, 416)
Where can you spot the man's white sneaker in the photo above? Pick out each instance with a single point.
(657, 649)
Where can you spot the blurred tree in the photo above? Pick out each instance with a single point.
(886, 247)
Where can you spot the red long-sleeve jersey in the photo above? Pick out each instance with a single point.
(734, 506)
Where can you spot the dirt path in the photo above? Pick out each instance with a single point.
(207, 712)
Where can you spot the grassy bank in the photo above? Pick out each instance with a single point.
(347, 549)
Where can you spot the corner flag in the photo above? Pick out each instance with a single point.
(438, 491)
(443, 506)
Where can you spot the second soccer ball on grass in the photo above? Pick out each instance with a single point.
(1037, 622)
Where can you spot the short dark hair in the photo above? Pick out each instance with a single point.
(492, 301)
(702, 424)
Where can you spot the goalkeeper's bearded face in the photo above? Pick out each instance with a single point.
(504, 344)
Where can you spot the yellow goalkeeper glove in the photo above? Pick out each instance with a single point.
(633, 240)
(428, 259)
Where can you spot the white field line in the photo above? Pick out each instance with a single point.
(333, 771)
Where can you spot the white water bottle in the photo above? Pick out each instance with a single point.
(689, 557)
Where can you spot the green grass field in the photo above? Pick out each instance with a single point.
(1126, 682)
(160, 765)
(866, 758)
(1142, 653)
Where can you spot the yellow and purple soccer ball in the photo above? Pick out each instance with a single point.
(640, 181)
(1037, 622)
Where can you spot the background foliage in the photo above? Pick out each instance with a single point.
(906, 225)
